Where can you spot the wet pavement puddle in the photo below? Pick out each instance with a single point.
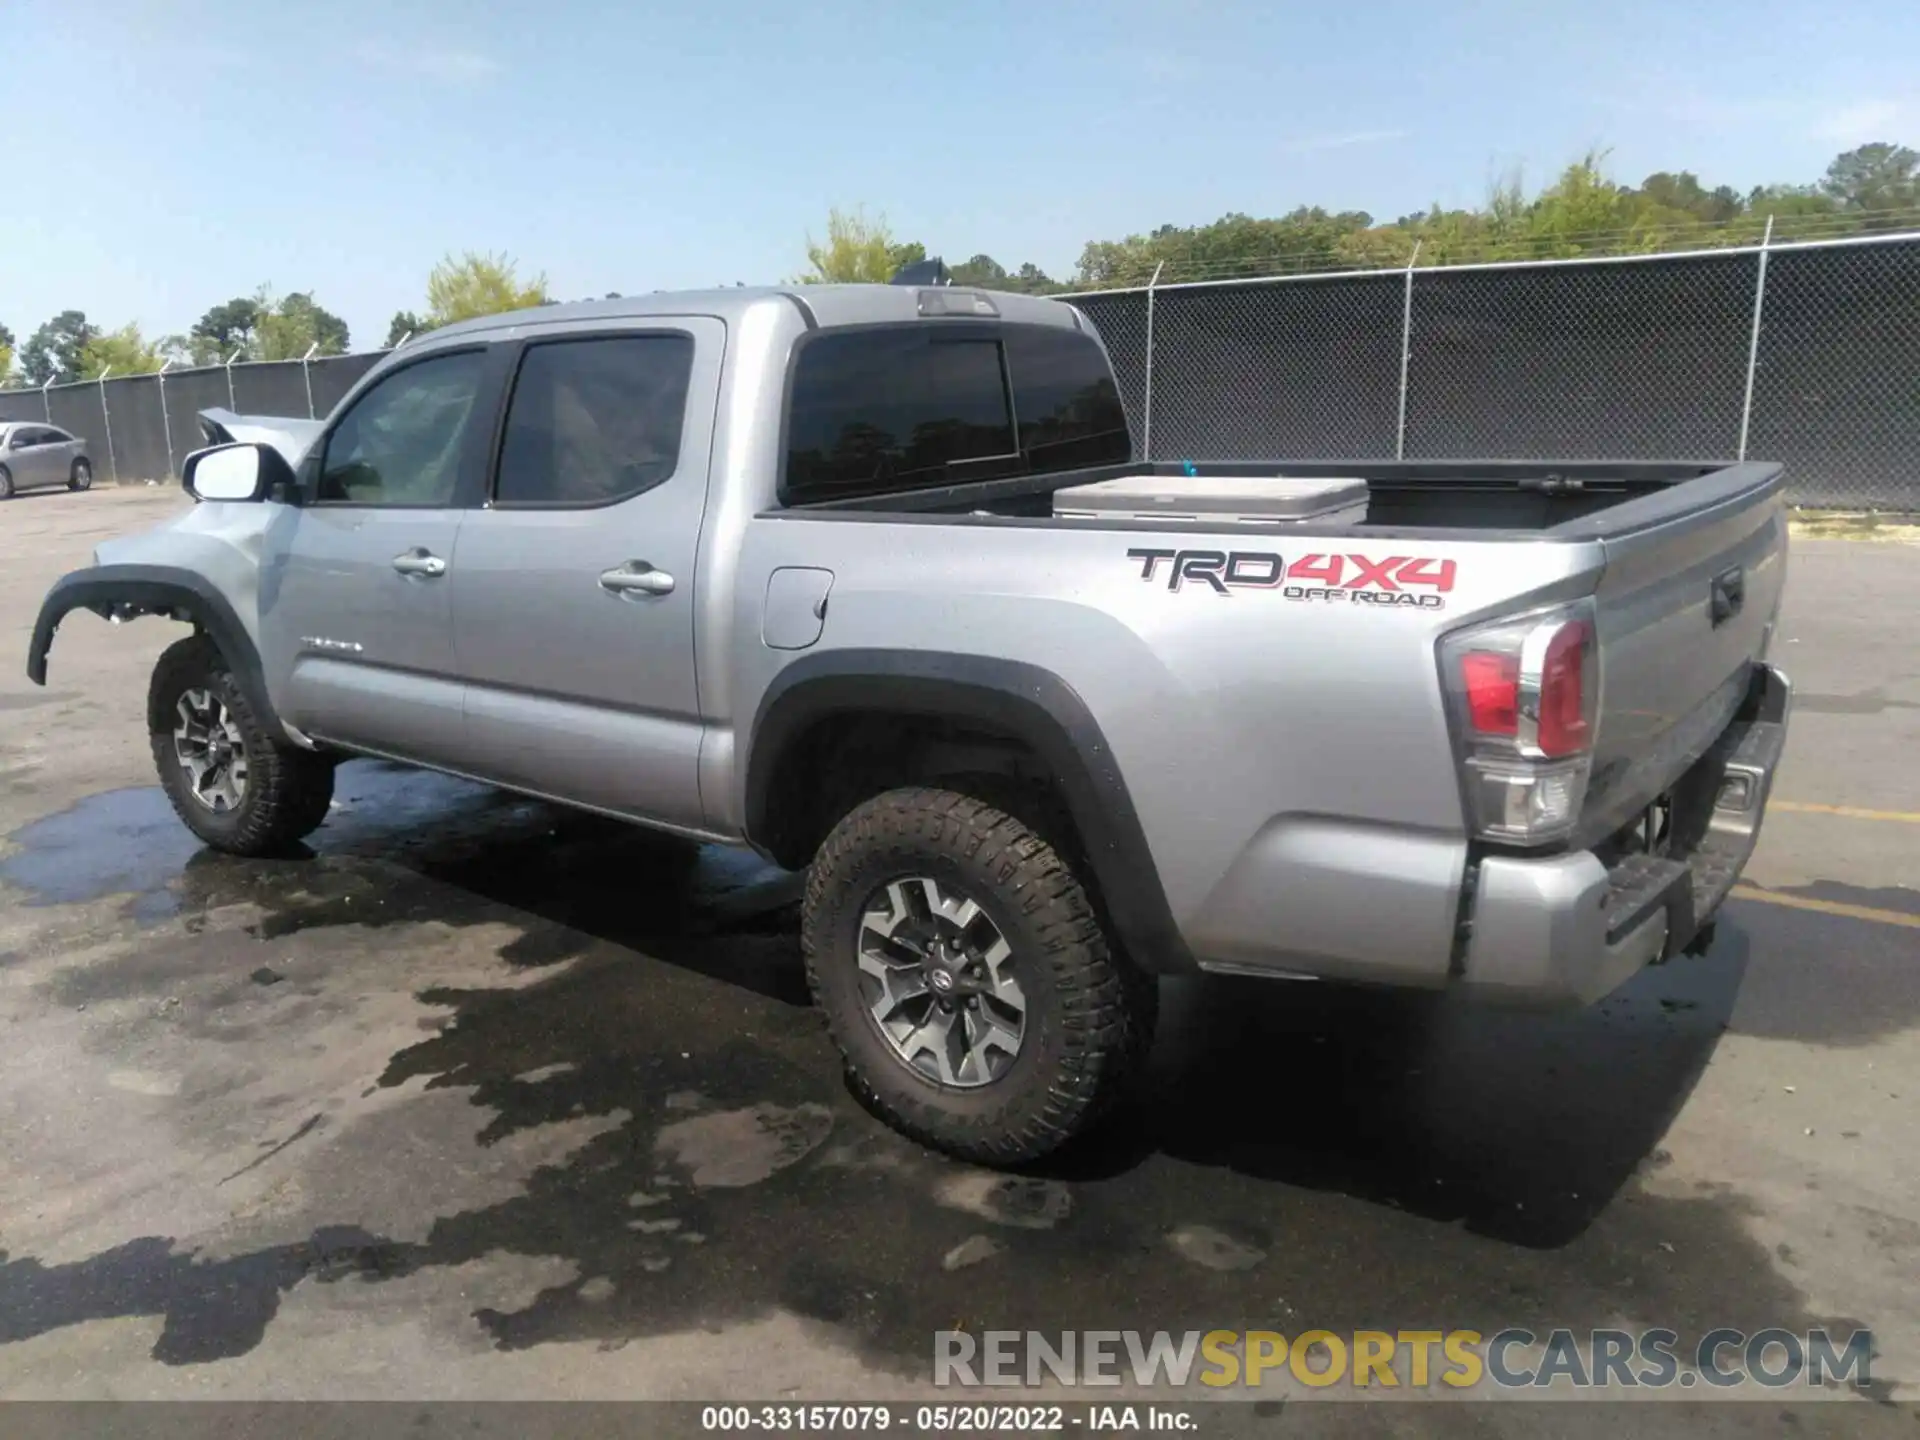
(1350, 1158)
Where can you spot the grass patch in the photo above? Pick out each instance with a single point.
(1855, 525)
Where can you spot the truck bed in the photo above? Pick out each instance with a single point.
(1685, 561)
(1584, 499)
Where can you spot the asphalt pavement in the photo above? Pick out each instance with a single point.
(485, 1100)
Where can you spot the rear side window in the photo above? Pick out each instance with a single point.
(877, 410)
(595, 421)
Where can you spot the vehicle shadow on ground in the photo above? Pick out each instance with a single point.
(1520, 1126)
(1302, 1154)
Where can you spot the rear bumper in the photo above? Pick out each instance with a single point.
(1568, 929)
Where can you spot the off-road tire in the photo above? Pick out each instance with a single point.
(80, 477)
(288, 790)
(1090, 1013)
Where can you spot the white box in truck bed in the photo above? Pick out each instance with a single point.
(1218, 499)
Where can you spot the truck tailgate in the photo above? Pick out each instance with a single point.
(1686, 604)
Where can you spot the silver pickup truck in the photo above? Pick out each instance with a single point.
(838, 573)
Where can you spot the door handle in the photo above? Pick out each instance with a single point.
(636, 577)
(419, 561)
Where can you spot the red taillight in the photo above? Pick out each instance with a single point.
(1563, 709)
(1523, 694)
(1492, 684)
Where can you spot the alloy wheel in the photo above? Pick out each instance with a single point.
(939, 982)
(211, 750)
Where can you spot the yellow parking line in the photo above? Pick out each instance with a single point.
(1846, 812)
(1827, 907)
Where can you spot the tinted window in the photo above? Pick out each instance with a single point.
(1063, 392)
(400, 443)
(23, 437)
(54, 436)
(876, 410)
(594, 421)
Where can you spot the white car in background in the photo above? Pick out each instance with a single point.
(35, 457)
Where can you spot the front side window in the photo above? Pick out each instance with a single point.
(400, 443)
(595, 421)
(878, 410)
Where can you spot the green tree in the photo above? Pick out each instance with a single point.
(403, 324)
(226, 328)
(1582, 212)
(6, 357)
(1684, 193)
(982, 271)
(1033, 280)
(124, 351)
(288, 329)
(1307, 238)
(1874, 177)
(857, 251)
(475, 285)
(987, 273)
(1582, 204)
(53, 351)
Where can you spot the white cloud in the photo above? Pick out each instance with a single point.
(1864, 121)
(1308, 144)
(452, 67)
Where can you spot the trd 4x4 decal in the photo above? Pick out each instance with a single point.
(1417, 581)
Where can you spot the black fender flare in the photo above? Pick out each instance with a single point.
(154, 590)
(1034, 705)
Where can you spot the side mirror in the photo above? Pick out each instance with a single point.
(236, 472)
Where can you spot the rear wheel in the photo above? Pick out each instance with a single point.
(232, 783)
(82, 476)
(965, 978)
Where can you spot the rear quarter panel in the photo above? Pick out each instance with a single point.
(1242, 718)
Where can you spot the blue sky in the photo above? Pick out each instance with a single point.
(186, 152)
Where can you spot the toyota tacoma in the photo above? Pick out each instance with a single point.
(872, 580)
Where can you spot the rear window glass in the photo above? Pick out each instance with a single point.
(879, 410)
(1063, 391)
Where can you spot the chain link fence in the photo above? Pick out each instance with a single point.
(140, 427)
(1808, 354)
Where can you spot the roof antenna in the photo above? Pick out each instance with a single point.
(922, 272)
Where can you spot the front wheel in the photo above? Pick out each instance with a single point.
(965, 978)
(82, 476)
(6, 483)
(232, 783)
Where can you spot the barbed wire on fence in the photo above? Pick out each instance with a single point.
(1392, 249)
